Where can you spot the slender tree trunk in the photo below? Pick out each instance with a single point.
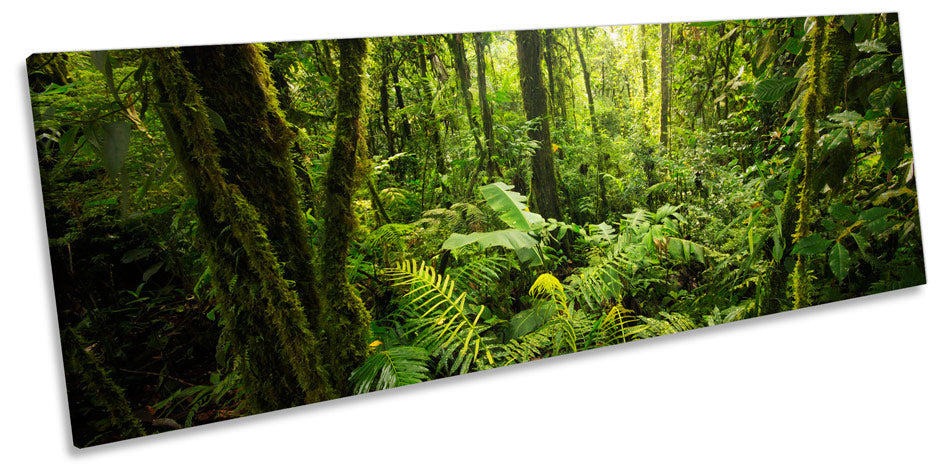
(384, 98)
(549, 62)
(346, 321)
(533, 95)
(250, 223)
(401, 104)
(488, 124)
(645, 75)
(665, 85)
(457, 44)
(430, 123)
(601, 156)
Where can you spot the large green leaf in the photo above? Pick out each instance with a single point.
(874, 45)
(866, 66)
(772, 89)
(884, 96)
(510, 206)
(529, 320)
(839, 260)
(811, 245)
(524, 245)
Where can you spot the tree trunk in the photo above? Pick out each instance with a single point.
(430, 123)
(543, 186)
(346, 319)
(384, 99)
(549, 62)
(250, 223)
(645, 74)
(601, 156)
(665, 85)
(488, 124)
(457, 44)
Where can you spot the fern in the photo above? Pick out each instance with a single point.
(439, 318)
(481, 271)
(669, 323)
(603, 281)
(401, 365)
(614, 328)
(547, 286)
(390, 235)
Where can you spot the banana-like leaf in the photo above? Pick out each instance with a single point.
(510, 206)
(524, 245)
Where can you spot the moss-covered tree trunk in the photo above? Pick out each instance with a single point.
(534, 97)
(251, 227)
(346, 319)
(794, 223)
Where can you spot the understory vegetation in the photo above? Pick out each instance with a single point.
(238, 229)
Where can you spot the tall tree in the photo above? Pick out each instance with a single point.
(549, 61)
(595, 133)
(250, 222)
(645, 73)
(665, 85)
(346, 321)
(534, 97)
(457, 45)
(484, 105)
(429, 121)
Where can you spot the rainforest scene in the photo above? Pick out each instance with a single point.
(243, 228)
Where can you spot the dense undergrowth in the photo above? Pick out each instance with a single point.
(782, 178)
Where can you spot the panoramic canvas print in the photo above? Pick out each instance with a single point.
(236, 229)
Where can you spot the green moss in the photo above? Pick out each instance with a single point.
(812, 102)
(346, 321)
(97, 385)
(250, 222)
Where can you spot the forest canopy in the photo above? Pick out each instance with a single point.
(243, 228)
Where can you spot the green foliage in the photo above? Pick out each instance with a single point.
(401, 365)
(191, 261)
(439, 319)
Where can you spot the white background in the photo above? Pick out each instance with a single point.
(860, 384)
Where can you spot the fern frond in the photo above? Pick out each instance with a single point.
(439, 318)
(668, 323)
(603, 281)
(481, 271)
(389, 235)
(401, 365)
(614, 328)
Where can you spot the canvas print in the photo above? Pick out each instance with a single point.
(235, 229)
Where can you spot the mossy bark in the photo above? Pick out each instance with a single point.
(543, 185)
(796, 205)
(85, 366)
(346, 319)
(814, 104)
(250, 224)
